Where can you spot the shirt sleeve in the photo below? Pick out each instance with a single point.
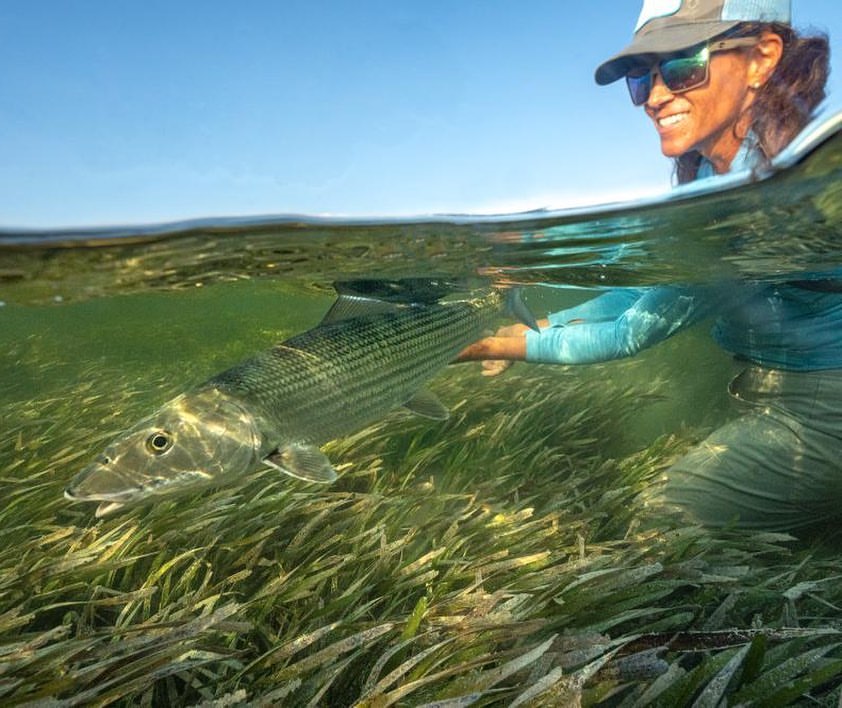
(608, 306)
(616, 325)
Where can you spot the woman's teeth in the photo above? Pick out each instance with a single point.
(668, 121)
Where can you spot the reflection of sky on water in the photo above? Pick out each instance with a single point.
(738, 226)
(786, 226)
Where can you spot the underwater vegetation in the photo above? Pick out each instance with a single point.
(509, 556)
(513, 555)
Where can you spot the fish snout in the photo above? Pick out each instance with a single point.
(101, 481)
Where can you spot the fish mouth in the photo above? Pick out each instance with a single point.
(106, 508)
(92, 485)
(107, 505)
(99, 483)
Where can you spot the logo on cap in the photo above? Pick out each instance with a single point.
(656, 8)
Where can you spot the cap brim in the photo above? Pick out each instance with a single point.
(653, 41)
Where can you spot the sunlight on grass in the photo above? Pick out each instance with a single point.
(500, 558)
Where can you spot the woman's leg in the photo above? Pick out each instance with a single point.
(779, 466)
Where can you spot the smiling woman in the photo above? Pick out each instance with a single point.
(708, 116)
(715, 77)
(727, 84)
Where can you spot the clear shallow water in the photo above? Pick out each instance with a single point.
(187, 299)
(784, 224)
(98, 327)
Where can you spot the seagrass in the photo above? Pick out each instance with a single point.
(497, 558)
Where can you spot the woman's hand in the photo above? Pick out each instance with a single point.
(499, 351)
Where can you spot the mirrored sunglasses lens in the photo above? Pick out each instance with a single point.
(639, 87)
(684, 73)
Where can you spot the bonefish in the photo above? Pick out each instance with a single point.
(278, 407)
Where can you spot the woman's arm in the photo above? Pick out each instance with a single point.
(655, 315)
(615, 325)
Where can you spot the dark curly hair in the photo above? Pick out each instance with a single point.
(785, 103)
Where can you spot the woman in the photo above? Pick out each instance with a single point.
(727, 85)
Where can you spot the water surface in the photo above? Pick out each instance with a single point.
(509, 546)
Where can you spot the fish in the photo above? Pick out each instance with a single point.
(366, 358)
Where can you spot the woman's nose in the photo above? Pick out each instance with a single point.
(659, 93)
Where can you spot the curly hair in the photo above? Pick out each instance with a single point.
(785, 103)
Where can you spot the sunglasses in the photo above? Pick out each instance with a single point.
(680, 73)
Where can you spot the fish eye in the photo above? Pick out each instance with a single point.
(159, 442)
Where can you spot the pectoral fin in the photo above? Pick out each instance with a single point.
(302, 462)
(425, 404)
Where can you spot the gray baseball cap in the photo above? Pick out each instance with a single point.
(670, 26)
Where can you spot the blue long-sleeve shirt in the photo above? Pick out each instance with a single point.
(781, 326)
(618, 324)
(787, 326)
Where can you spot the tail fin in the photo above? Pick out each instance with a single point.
(518, 309)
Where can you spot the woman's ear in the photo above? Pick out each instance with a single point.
(765, 57)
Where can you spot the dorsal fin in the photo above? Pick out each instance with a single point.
(347, 306)
(404, 291)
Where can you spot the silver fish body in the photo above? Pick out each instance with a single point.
(280, 405)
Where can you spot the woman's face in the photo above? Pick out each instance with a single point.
(706, 118)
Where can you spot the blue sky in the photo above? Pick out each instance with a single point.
(155, 110)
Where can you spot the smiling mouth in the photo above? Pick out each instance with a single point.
(671, 120)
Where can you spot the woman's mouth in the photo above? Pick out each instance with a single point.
(670, 120)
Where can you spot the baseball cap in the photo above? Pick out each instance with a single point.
(670, 26)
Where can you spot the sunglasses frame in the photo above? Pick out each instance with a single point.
(707, 49)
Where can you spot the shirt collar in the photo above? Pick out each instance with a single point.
(748, 157)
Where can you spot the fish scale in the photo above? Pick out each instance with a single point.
(335, 378)
(280, 405)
